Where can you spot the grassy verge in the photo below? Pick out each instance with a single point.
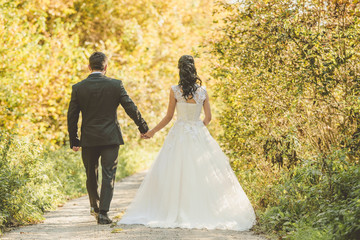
(310, 203)
(35, 179)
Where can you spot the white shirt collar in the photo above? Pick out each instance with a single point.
(95, 72)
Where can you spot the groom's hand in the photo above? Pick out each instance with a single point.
(149, 134)
(75, 149)
(143, 136)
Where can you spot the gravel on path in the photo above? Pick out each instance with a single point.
(73, 221)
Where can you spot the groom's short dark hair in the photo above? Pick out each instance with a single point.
(98, 61)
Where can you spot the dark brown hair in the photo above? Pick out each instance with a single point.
(189, 80)
(98, 61)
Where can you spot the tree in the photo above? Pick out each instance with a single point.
(287, 76)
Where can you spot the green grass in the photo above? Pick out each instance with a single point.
(305, 206)
(35, 179)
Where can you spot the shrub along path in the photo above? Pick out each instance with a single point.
(73, 221)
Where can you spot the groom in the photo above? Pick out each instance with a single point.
(97, 98)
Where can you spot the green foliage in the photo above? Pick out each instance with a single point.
(306, 203)
(46, 50)
(310, 233)
(34, 179)
(45, 47)
(287, 79)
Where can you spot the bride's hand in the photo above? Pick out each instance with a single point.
(143, 136)
(149, 134)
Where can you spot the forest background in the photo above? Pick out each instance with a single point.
(284, 81)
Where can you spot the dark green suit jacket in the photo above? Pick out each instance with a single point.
(97, 98)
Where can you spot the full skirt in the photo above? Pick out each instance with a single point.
(191, 185)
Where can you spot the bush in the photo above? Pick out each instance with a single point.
(34, 179)
(309, 201)
(46, 50)
(288, 87)
(45, 47)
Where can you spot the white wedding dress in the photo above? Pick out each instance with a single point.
(190, 184)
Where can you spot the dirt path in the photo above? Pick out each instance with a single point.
(73, 221)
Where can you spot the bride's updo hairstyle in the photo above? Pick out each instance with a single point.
(189, 80)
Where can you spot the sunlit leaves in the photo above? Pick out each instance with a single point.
(46, 44)
(287, 74)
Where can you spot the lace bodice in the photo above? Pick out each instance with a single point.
(199, 97)
(189, 111)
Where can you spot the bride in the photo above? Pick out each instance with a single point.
(190, 184)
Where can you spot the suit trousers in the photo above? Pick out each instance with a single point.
(108, 156)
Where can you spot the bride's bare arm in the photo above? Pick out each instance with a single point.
(169, 115)
(207, 110)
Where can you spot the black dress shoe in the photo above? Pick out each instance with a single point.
(104, 219)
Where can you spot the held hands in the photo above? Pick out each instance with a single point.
(75, 149)
(148, 135)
